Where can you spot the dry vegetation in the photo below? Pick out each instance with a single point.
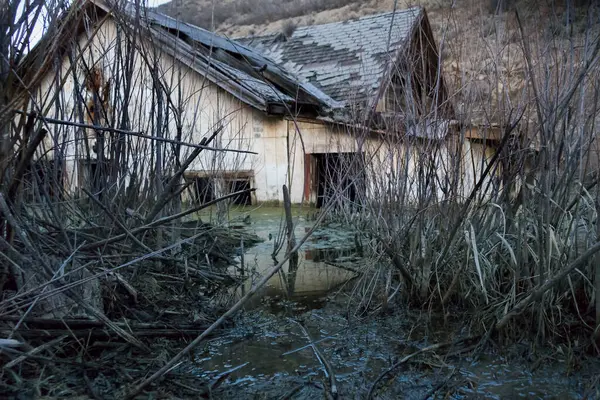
(120, 269)
(520, 251)
(518, 256)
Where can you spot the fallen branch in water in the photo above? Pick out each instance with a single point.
(287, 353)
(329, 372)
(222, 376)
(407, 358)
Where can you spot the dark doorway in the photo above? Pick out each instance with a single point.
(93, 175)
(338, 178)
(43, 178)
(204, 190)
(208, 186)
(237, 185)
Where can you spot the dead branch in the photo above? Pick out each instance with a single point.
(132, 133)
(37, 350)
(224, 375)
(328, 369)
(407, 358)
(116, 220)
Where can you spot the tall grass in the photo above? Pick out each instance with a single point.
(484, 224)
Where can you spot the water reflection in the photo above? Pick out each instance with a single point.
(312, 275)
(305, 279)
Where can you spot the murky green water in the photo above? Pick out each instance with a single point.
(273, 357)
(307, 285)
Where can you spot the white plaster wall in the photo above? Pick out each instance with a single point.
(205, 106)
(281, 144)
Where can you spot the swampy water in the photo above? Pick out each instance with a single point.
(267, 355)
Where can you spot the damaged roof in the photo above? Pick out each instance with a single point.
(241, 70)
(346, 60)
(320, 68)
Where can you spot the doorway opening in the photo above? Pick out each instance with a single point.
(237, 185)
(334, 181)
(44, 177)
(93, 175)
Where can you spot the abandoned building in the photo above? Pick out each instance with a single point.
(321, 109)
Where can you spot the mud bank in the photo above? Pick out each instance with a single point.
(272, 358)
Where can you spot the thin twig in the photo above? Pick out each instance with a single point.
(36, 350)
(329, 371)
(137, 134)
(409, 357)
(165, 195)
(440, 385)
(116, 220)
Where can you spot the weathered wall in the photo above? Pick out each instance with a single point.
(313, 138)
(190, 107)
(201, 105)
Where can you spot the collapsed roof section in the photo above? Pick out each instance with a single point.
(347, 60)
(242, 71)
